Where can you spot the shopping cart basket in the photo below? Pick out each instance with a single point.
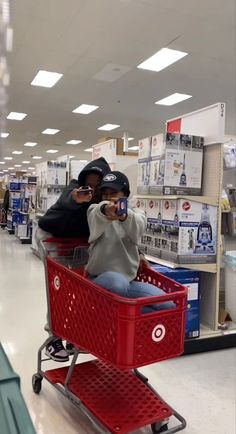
(119, 334)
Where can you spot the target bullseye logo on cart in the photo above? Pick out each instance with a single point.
(57, 282)
(158, 333)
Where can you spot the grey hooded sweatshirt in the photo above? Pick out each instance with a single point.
(114, 244)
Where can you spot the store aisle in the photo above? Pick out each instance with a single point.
(201, 387)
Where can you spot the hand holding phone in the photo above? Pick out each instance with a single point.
(82, 194)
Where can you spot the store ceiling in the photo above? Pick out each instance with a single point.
(80, 37)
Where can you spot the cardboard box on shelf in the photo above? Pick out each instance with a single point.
(187, 232)
(176, 164)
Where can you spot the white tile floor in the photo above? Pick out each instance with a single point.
(201, 387)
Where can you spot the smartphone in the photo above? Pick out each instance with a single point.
(122, 206)
(85, 189)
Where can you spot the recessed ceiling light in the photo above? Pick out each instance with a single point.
(52, 151)
(31, 168)
(162, 59)
(10, 168)
(5, 170)
(17, 165)
(2, 162)
(50, 131)
(71, 156)
(25, 162)
(88, 150)
(24, 170)
(4, 135)
(36, 157)
(31, 144)
(16, 116)
(17, 152)
(133, 148)
(83, 161)
(74, 142)
(130, 138)
(46, 79)
(8, 158)
(85, 109)
(173, 99)
(108, 127)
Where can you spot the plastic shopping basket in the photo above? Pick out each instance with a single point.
(112, 328)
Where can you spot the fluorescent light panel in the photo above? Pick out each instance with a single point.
(133, 148)
(17, 165)
(74, 142)
(88, 150)
(52, 151)
(25, 162)
(30, 144)
(71, 156)
(4, 135)
(16, 116)
(85, 109)
(163, 58)
(36, 157)
(17, 152)
(46, 79)
(50, 131)
(173, 99)
(8, 158)
(108, 127)
(2, 162)
(31, 168)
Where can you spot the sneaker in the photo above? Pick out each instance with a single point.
(56, 351)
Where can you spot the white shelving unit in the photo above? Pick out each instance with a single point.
(209, 123)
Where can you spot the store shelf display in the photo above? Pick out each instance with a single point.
(200, 236)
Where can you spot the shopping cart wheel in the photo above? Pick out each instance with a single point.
(157, 427)
(37, 383)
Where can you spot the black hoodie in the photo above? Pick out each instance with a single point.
(66, 218)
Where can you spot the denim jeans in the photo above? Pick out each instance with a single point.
(119, 284)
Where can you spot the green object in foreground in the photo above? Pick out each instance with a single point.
(14, 416)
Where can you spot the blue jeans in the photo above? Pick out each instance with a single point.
(119, 284)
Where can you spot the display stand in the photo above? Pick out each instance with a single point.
(209, 123)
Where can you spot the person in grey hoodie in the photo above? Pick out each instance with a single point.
(113, 253)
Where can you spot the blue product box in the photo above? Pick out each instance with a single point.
(191, 279)
(14, 186)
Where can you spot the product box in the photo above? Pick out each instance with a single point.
(15, 200)
(186, 233)
(150, 242)
(191, 229)
(176, 165)
(56, 173)
(141, 204)
(14, 185)
(144, 161)
(191, 279)
(21, 230)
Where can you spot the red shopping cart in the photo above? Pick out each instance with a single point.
(121, 337)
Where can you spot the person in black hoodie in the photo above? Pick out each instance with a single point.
(67, 218)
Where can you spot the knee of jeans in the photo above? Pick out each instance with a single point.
(114, 282)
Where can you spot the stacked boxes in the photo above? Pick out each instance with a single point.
(144, 161)
(170, 165)
(181, 231)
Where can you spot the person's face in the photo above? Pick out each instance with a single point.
(111, 194)
(93, 180)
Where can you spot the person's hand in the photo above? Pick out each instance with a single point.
(81, 196)
(110, 211)
(143, 262)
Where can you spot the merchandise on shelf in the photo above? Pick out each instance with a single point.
(191, 279)
(52, 178)
(230, 154)
(144, 163)
(170, 165)
(181, 231)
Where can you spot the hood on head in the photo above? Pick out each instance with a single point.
(99, 167)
